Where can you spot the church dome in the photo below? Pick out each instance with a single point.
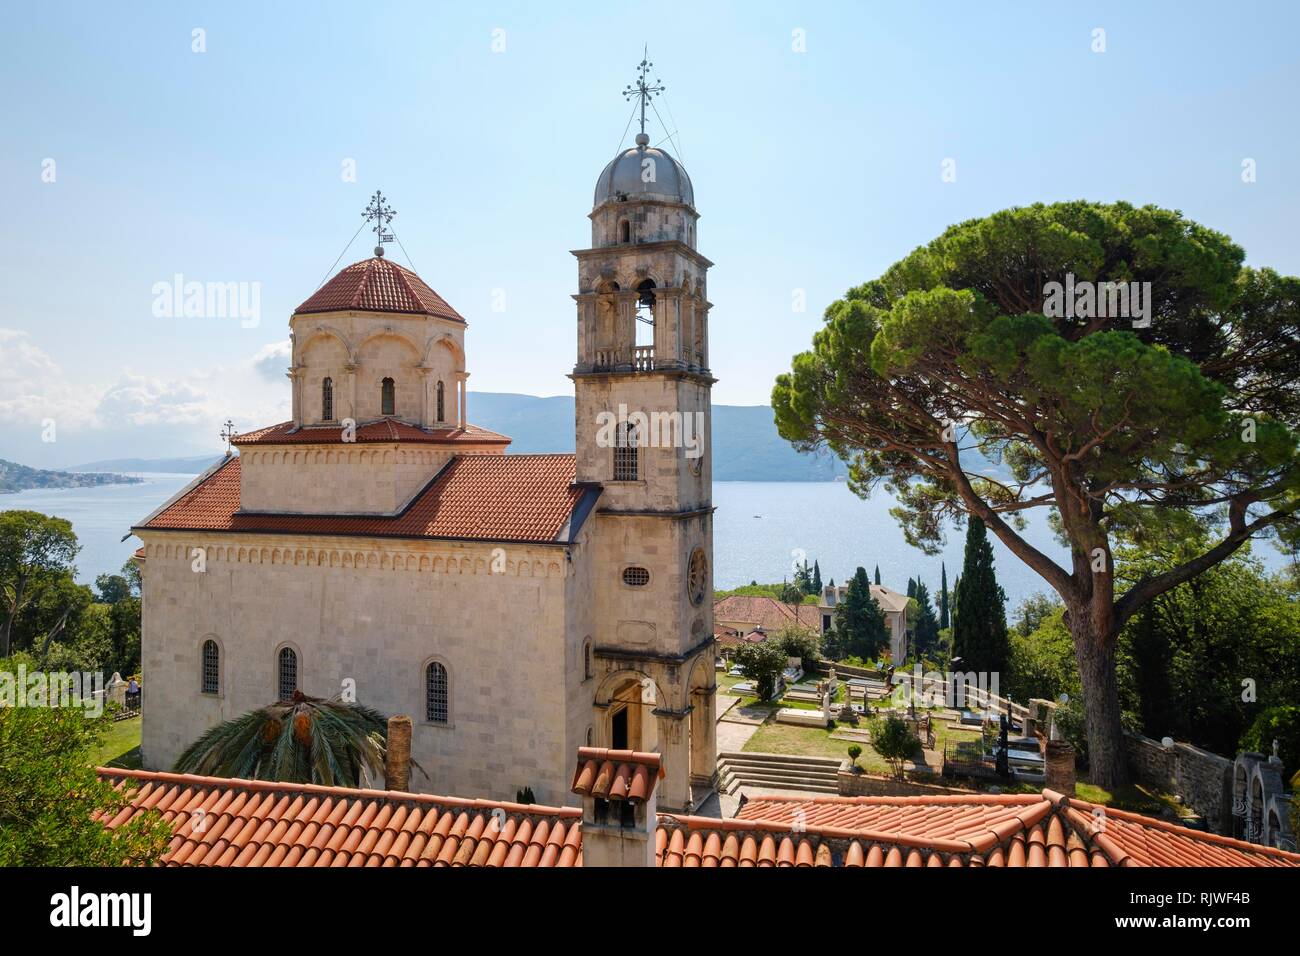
(378, 285)
(622, 178)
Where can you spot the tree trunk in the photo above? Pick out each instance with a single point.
(1107, 759)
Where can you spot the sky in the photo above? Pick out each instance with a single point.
(214, 141)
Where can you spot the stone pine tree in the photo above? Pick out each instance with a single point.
(943, 597)
(979, 629)
(859, 622)
(926, 627)
(1164, 394)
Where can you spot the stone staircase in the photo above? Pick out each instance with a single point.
(777, 771)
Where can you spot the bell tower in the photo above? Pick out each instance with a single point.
(643, 432)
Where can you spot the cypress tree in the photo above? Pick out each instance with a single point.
(979, 617)
(859, 621)
(943, 597)
(911, 588)
(877, 574)
(927, 625)
(817, 579)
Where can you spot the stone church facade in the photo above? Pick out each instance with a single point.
(517, 607)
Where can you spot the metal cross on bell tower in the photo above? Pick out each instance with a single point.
(644, 91)
(381, 214)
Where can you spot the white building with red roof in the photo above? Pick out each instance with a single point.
(378, 543)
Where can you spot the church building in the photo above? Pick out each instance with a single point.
(380, 545)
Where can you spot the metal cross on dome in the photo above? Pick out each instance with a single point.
(381, 214)
(641, 88)
(227, 433)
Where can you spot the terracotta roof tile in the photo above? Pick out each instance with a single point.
(380, 430)
(378, 285)
(219, 822)
(765, 612)
(1015, 830)
(616, 774)
(481, 497)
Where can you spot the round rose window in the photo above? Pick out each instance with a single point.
(698, 577)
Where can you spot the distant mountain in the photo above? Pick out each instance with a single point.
(746, 446)
(179, 466)
(16, 477)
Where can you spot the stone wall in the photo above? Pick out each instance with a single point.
(375, 616)
(1202, 779)
(868, 785)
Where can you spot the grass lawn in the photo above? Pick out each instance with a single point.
(120, 747)
(1133, 797)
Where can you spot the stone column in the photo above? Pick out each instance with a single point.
(462, 389)
(424, 371)
(294, 375)
(704, 740)
(1059, 757)
(351, 371)
(675, 791)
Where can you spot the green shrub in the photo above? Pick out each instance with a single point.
(894, 741)
(1280, 723)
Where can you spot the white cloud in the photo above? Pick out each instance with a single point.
(137, 400)
(272, 360)
(33, 388)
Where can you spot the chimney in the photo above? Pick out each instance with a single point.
(397, 759)
(1059, 756)
(619, 817)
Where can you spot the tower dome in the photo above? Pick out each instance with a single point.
(644, 172)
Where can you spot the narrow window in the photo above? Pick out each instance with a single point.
(625, 452)
(288, 672)
(387, 401)
(441, 405)
(211, 667)
(624, 231)
(435, 693)
(586, 660)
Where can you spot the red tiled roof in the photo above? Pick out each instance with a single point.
(382, 430)
(1044, 829)
(218, 822)
(258, 823)
(378, 285)
(766, 612)
(616, 774)
(484, 497)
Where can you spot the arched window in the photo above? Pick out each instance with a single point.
(327, 400)
(436, 693)
(645, 314)
(287, 672)
(624, 231)
(387, 399)
(442, 409)
(211, 667)
(625, 452)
